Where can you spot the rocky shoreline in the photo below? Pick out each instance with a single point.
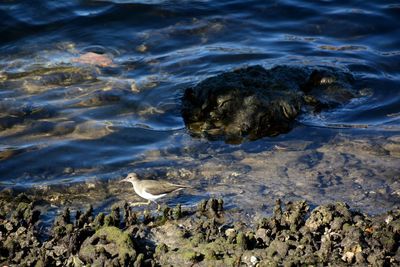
(294, 235)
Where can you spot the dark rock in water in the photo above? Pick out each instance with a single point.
(255, 102)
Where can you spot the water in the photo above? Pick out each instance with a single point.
(69, 117)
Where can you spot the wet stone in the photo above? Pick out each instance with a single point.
(254, 102)
(37, 80)
(105, 97)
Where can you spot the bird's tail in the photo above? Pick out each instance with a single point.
(185, 186)
(181, 186)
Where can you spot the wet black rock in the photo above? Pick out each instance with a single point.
(254, 102)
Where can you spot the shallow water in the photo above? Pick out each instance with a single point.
(68, 116)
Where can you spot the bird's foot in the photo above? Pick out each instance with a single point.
(158, 205)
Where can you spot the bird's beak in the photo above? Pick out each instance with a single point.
(123, 180)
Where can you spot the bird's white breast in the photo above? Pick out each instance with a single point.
(146, 195)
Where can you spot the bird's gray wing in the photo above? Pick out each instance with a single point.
(160, 187)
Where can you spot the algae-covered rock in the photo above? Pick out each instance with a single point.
(99, 220)
(241, 241)
(19, 242)
(115, 214)
(139, 260)
(212, 208)
(322, 216)
(110, 241)
(278, 249)
(86, 217)
(332, 234)
(161, 249)
(254, 102)
(130, 217)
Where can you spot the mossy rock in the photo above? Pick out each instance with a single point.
(111, 241)
(192, 255)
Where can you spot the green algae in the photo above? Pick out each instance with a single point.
(116, 243)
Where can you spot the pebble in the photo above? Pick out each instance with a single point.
(254, 260)
(142, 48)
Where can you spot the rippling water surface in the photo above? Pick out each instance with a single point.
(90, 90)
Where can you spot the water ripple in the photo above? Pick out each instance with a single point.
(94, 85)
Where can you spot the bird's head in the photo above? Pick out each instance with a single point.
(131, 178)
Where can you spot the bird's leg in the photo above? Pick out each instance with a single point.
(158, 205)
(132, 204)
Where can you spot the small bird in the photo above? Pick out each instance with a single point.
(151, 189)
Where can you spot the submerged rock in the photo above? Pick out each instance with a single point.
(254, 102)
(96, 59)
(42, 79)
(13, 113)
